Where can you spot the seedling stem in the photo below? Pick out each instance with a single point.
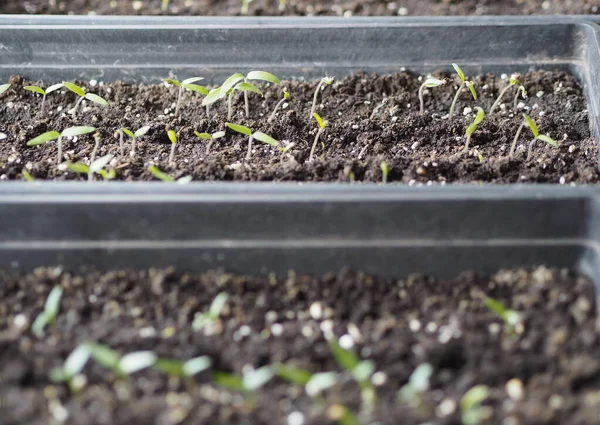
(322, 125)
(325, 80)
(429, 82)
(286, 96)
(464, 82)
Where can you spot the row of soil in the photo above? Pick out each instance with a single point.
(372, 119)
(303, 7)
(545, 372)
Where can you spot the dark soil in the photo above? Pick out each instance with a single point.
(371, 119)
(305, 8)
(553, 363)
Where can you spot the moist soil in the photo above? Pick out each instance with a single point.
(546, 372)
(372, 118)
(305, 8)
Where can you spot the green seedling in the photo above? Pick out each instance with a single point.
(3, 88)
(210, 137)
(27, 176)
(161, 175)
(165, 5)
(174, 139)
(55, 135)
(286, 96)
(184, 370)
(44, 93)
(471, 410)
(212, 96)
(322, 126)
(187, 84)
(282, 4)
(247, 384)
(385, 171)
(513, 81)
(414, 391)
(245, 6)
(48, 316)
(430, 82)
(464, 82)
(258, 135)
(96, 167)
(70, 373)
(125, 365)
(325, 81)
(313, 384)
(82, 95)
(473, 126)
(212, 315)
(527, 120)
(513, 321)
(140, 132)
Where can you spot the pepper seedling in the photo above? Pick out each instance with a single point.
(212, 315)
(184, 370)
(471, 410)
(527, 120)
(286, 96)
(473, 126)
(258, 135)
(70, 373)
(210, 137)
(512, 81)
(133, 136)
(161, 175)
(55, 135)
(3, 88)
(327, 81)
(513, 322)
(385, 171)
(96, 167)
(125, 365)
(464, 82)
(247, 384)
(48, 316)
(430, 82)
(79, 91)
(418, 384)
(187, 84)
(322, 126)
(44, 93)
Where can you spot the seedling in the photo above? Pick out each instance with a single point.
(212, 315)
(464, 82)
(245, 6)
(471, 410)
(282, 4)
(133, 135)
(248, 383)
(184, 370)
(210, 137)
(513, 321)
(211, 97)
(55, 135)
(125, 365)
(385, 171)
(3, 88)
(322, 125)
(27, 176)
(165, 5)
(513, 81)
(161, 175)
(327, 81)
(314, 384)
(71, 370)
(246, 87)
(258, 135)
(527, 120)
(187, 84)
(173, 138)
(96, 167)
(430, 82)
(286, 96)
(473, 126)
(48, 316)
(414, 391)
(44, 93)
(83, 95)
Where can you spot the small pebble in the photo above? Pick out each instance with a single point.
(295, 418)
(514, 389)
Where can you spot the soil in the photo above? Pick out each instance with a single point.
(305, 8)
(552, 362)
(371, 119)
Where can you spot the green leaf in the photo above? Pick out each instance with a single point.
(217, 304)
(320, 122)
(474, 397)
(77, 360)
(74, 88)
(78, 167)
(136, 361)
(294, 375)
(35, 89)
(27, 175)
(172, 136)
(53, 302)
(172, 82)
(459, 71)
(228, 380)
(363, 371)
(191, 80)
(239, 128)
(107, 175)
(77, 131)
(128, 132)
(4, 87)
(204, 136)
(532, 125)
(39, 324)
(196, 88)
(263, 76)
(218, 134)
(96, 99)
(201, 320)
(320, 382)
(231, 82)
(328, 80)
(480, 116)
(172, 367)
(548, 140)
(513, 80)
(472, 88)
(243, 86)
(385, 168)
(419, 379)
(265, 138)
(100, 163)
(160, 174)
(103, 355)
(184, 180)
(213, 96)
(196, 365)
(286, 94)
(142, 131)
(54, 87)
(346, 359)
(496, 306)
(44, 138)
(433, 82)
(58, 375)
(257, 378)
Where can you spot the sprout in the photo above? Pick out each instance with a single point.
(245, 6)
(320, 382)
(325, 80)
(513, 81)
(429, 83)
(258, 135)
(322, 125)
(36, 89)
(523, 92)
(3, 88)
(471, 128)
(161, 175)
(248, 383)
(210, 137)
(186, 85)
(282, 4)
(96, 167)
(27, 175)
(72, 368)
(185, 370)
(511, 318)
(48, 316)
(82, 95)
(173, 138)
(536, 136)
(471, 410)
(286, 96)
(213, 313)
(385, 171)
(55, 135)
(464, 82)
(125, 365)
(133, 135)
(294, 375)
(418, 384)
(165, 5)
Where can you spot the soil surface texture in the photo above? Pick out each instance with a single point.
(372, 119)
(304, 8)
(545, 371)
